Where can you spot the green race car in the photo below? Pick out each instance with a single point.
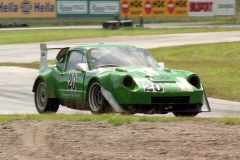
(106, 78)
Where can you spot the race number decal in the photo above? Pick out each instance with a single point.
(72, 81)
(153, 87)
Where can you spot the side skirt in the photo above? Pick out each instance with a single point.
(74, 104)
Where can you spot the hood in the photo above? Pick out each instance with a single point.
(153, 74)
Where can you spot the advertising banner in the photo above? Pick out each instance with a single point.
(72, 7)
(223, 7)
(178, 8)
(27, 8)
(132, 8)
(103, 7)
(201, 8)
(154, 8)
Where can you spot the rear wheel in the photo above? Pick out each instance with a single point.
(42, 102)
(97, 103)
(185, 114)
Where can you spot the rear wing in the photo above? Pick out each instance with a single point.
(43, 57)
(44, 53)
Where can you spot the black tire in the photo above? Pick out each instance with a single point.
(185, 114)
(42, 102)
(97, 103)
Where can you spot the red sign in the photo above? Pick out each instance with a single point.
(125, 7)
(148, 7)
(200, 6)
(170, 7)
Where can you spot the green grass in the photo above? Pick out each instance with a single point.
(115, 120)
(34, 65)
(216, 64)
(27, 36)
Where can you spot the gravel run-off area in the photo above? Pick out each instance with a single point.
(70, 140)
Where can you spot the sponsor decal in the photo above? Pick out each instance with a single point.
(43, 7)
(154, 8)
(148, 7)
(181, 8)
(181, 3)
(201, 6)
(10, 7)
(158, 8)
(223, 7)
(136, 4)
(153, 87)
(43, 54)
(71, 94)
(226, 6)
(91, 73)
(136, 8)
(170, 7)
(72, 7)
(159, 4)
(72, 78)
(125, 7)
(26, 7)
(167, 84)
(149, 72)
(104, 7)
(161, 77)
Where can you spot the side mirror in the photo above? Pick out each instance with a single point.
(161, 64)
(83, 67)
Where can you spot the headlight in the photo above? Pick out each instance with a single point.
(194, 80)
(127, 81)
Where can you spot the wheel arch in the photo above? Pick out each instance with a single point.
(48, 79)
(103, 79)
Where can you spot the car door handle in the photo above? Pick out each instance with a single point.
(62, 74)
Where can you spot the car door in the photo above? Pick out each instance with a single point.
(71, 81)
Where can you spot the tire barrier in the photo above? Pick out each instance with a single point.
(117, 24)
(9, 25)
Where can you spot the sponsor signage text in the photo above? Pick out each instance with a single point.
(27, 8)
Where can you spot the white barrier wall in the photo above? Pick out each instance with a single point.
(224, 7)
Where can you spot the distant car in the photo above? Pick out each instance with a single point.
(106, 78)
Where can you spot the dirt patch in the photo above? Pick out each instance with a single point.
(61, 140)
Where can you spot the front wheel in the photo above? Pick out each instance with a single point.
(42, 102)
(97, 103)
(185, 114)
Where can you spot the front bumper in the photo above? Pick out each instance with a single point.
(188, 102)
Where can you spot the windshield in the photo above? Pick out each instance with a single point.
(121, 56)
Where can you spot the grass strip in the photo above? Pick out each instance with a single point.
(113, 119)
(29, 36)
(216, 64)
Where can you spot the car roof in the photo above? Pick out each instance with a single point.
(100, 45)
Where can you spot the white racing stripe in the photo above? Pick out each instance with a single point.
(184, 85)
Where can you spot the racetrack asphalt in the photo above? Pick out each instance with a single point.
(16, 83)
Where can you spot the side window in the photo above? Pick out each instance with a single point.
(74, 57)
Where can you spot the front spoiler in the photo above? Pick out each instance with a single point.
(111, 100)
(118, 109)
(205, 106)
